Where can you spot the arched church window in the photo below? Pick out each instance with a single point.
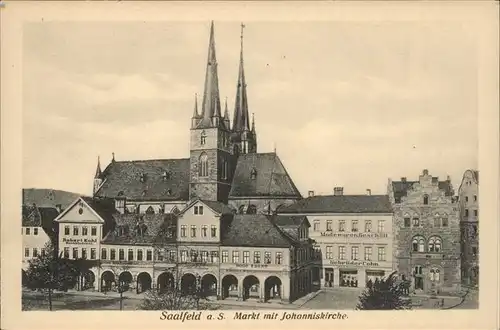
(434, 244)
(253, 174)
(203, 167)
(426, 199)
(417, 270)
(203, 138)
(434, 274)
(418, 244)
(150, 210)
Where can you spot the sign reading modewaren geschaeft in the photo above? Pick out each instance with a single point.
(354, 235)
(79, 240)
(354, 263)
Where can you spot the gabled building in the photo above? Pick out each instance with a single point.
(427, 233)
(469, 225)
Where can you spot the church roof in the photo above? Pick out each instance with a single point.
(341, 204)
(262, 174)
(255, 230)
(158, 179)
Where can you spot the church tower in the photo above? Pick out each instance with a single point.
(244, 137)
(97, 176)
(211, 160)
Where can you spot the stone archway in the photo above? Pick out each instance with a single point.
(88, 280)
(125, 279)
(107, 280)
(272, 286)
(188, 284)
(165, 282)
(229, 287)
(251, 287)
(209, 285)
(144, 282)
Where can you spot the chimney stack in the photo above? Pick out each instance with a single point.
(425, 172)
(369, 192)
(448, 178)
(338, 191)
(59, 208)
(403, 179)
(310, 193)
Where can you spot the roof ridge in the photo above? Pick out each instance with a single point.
(147, 160)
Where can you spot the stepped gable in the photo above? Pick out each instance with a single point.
(255, 230)
(341, 204)
(158, 179)
(400, 188)
(262, 174)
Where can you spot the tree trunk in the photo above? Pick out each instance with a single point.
(121, 298)
(50, 299)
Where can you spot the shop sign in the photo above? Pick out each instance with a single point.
(251, 265)
(79, 240)
(354, 263)
(354, 235)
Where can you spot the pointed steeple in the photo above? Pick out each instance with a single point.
(227, 121)
(253, 122)
(240, 119)
(211, 102)
(98, 171)
(195, 112)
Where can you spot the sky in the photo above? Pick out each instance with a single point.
(347, 104)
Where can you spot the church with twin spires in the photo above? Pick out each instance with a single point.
(223, 165)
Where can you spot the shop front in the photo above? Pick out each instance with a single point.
(354, 274)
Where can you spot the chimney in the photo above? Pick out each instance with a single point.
(425, 172)
(403, 179)
(369, 192)
(338, 191)
(448, 178)
(310, 193)
(59, 208)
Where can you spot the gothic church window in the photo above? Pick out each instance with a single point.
(203, 138)
(253, 174)
(435, 244)
(418, 244)
(150, 210)
(426, 200)
(203, 168)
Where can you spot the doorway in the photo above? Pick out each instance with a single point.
(329, 277)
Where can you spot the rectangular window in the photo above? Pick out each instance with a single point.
(381, 226)
(92, 253)
(35, 230)
(246, 257)
(381, 254)
(112, 254)
(329, 252)
(193, 230)
(474, 251)
(342, 225)
(256, 257)
(43, 252)
(213, 230)
(121, 254)
(354, 252)
(416, 222)
(279, 258)
(204, 256)
(84, 231)
(236, 257)
(198, 210)
(341, 252)
(173, 256)
(66, 252)
(354, 227)
(84, 253)
(204, 231)
(184, 255)
(35, 252)
(149, 255)
(183, 230)
(368, 253)
(104, 255)
(93, 231)
(466, 198)
(225, 256)
(26, 252)
(329, 225)
(475, 198)
(66, 230)
(466, 212)
(75, 253)
(28, 231)
(437, 221)
(214, 256)
(444, 222)
(316, 225)
(407, 222)
(193, 255)
(131, 255)
(267, 257)
(75, 231)
(368, 226)
(475, 214)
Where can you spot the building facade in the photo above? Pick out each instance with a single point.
(469, 225)
(206, 248)
(353, 237)
(427, 233)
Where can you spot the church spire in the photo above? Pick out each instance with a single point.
(195, 112)
(253, 122)
(240, 119)
(211, 102)
(98, 171)
(227, 121)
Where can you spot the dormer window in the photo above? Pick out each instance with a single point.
(122, 230)
(141, 229)
(143, 177)
(144, 193)
(166, 176)
(169, 192)
(120, 193)
(150, 210)
(253, 174)
(203, 138)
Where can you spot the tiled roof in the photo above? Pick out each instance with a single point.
(48, 197)
(341, 204)
(400, 188)
(289, 220)
(254, 230)
(219, 207)
(270, 177)
(105, 207)
(156, 228)
(33, 216)
(161, 179)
